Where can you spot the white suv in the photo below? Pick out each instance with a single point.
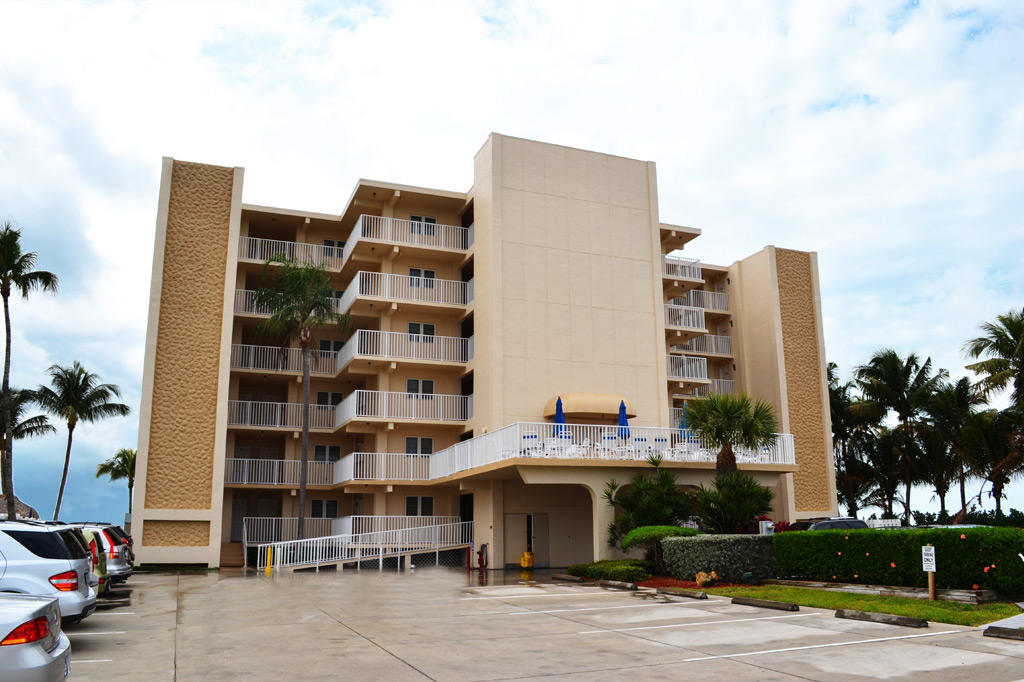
(47, 559)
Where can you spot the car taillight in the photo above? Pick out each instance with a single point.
(92, 550)
(29, 631)
(66, 581)
(113, 545)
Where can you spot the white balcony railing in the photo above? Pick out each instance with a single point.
(685, 367)
(712, 344)
(393, 287)
(397, 231)
(357, 525)
(382, 466)
(277, 359)
(590, 442)
(719, 386)
(708, 300)
(687, 268)
(258, 250)
(404, 406)
(278, 415)
(260, 529)
(245, 304)
(403, 346)
(685, 317)
(276, 472)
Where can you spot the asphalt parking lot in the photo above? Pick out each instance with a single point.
(439, 625)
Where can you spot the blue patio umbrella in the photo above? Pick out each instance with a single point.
(623, 421)
(560, 426)
(683, 421)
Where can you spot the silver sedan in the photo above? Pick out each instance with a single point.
(33, 645)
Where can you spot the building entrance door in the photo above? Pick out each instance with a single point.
(238, 507)
(527, 532)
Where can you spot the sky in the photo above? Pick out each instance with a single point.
(887, 137)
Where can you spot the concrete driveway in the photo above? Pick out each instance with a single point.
(439, 625)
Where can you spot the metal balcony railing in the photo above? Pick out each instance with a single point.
(684, 317)
(708, 300)
(278, 415)
(276, 472)
(686, 268)
(403, 346)
(404, 406)
(277, 359)
(685, 367)
(713, 344)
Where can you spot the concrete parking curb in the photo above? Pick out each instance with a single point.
(766, 603)
(886, 618)
(1004, 633)
(617, 584)
(567, 578)
(679, 592)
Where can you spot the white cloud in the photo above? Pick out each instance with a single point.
(896, 154)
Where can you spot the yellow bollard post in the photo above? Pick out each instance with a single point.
(270, 553)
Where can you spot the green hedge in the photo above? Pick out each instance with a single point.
(966, 558)
(626, 570)
(645, 535)
(728, 555)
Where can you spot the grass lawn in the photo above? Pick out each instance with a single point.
(938, 611)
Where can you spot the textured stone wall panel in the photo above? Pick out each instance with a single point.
(804, 380)
(176, 533)
(179, 470)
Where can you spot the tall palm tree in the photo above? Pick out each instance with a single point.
(1002, 346)
(883, 455)
(17, 273)
(849, 424)
(301, 299)
(120, 466)
(903, 386)
(77, 395)
(27, 427)
(728, 420)
(949, 411)
(940, 465)
(995, 454)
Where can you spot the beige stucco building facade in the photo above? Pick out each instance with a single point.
(472, 312)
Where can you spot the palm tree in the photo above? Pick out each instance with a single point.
(727, 420)
(1002, 346)
(28, 427)
(904, 387)
(848, 426)
(77, 395)
(883, 455)
(995, 454)
(949, 411)
(940, 465)
(301, 299)
(120, 465)
(17, 273)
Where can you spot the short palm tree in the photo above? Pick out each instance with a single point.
(994, 453)
(949, 411)
(1002, 346)
(903, 386)
(17, 273)
(939, 464)
(728, 420)
(883, 453)
(301, 299)
(120, 466)
(74, 395)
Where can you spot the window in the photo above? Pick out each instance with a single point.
(332, 248)
(419, 446)
(416, 505)
(422, 278)
(329, 346)
(328, 398)
(323, 509)
(49, 545)
(421, 332)
(419, 387)
(326, 453)
(423, 225)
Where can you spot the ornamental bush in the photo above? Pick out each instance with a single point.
(625, 570)
(650, 537)
(966, 558)
(731, 556)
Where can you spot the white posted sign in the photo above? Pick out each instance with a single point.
(928, 558)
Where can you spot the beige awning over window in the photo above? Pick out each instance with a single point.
(588, 405)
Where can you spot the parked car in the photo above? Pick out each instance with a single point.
(99, 560)
(839, 523)
(119, 556)
(47, 559)
(799, 525)
(33, 646)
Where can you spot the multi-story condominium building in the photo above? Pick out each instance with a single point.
(472, 313)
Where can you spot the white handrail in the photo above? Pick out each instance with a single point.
(257, 529)
(382, 466)
(259, 250)
(279, 415)
(709, 300)
(686, 317)
(716, 344)
(358, 525)
(685, 367)
(397, 405)
(245, 304)
(689, 268)
(245, 471)
(391, 287)
(277, 359)
(403, 346)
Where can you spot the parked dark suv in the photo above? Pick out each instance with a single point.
(838, 524)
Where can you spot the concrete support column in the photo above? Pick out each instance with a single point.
(603, 514)
(380, 503)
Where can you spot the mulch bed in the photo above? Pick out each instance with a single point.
(661, 581)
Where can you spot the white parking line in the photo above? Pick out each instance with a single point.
(113, 613)
(609, 608)
(538, 596)
(821, 646)
(706, 622)
(93, 660)
(79, 634)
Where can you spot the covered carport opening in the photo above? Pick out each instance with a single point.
(555, 521)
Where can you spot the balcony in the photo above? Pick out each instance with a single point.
(396, 406)
(280, 360)
(421, 236)
(261, 529)
(245, 304)
(681, 268)
(685, 368)
(708, 344)
(382, 466)
(264, 415)
(719, 386)
(257, 250)
(684, 322)
(399, 346)
(272, 472)
(369, 289)
(710, 301)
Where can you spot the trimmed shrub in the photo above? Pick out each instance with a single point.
(966, 558)
(650, 537)
(626, 570)
(728, 555)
